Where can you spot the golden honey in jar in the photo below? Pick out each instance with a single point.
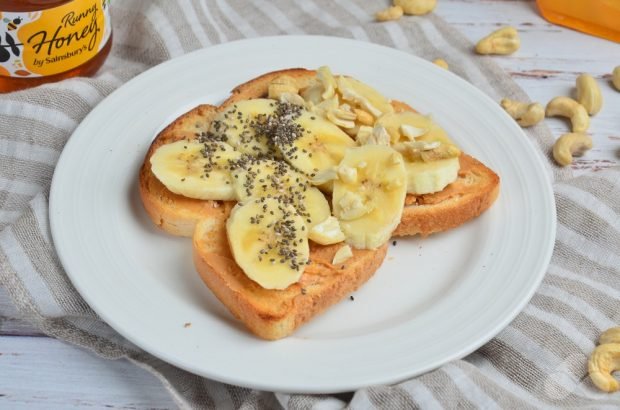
(49, 40)
(597, 17)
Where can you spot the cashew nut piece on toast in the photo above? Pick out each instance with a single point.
(615, 78)
(567, 107)
(503, 41)
(605, 360)
(416, 7)
(281, 85)
(525, 114)
(391, 13)
(571, 145)
(589, 94)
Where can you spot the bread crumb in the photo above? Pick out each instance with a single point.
(187, 324)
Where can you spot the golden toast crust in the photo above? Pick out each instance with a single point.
(273, 314)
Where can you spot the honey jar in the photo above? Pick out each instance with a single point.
(43, 41)
(597, 17)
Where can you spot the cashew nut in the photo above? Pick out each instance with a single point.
(567, 107)
(610, 336)
(569, 145)
(502, 41)
(441, 63)
(525, 114)
(605, 360)
(589, 94)
(291, 98)
(615, 78)
(416, 7)
(282, 84)
(342, 117)
(364, 117)
(391, 13)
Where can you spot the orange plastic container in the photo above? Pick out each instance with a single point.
(597, 17)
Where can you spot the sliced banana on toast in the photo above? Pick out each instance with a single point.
(241, 125)
(320, 145)
(431, 158)
(258, 178)
(369, 195)
(195, 169)
(269, 241)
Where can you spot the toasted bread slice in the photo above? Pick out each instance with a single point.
(471, 194)
(273, 314)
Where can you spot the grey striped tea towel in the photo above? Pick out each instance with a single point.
(538, 361)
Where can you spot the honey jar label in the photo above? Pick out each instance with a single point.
(52, 41)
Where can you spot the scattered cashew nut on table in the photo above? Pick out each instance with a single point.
(441, 63)
(589, 94)
(525, 114)
(503, 41)
(416, 7)
(571, 145)
(391, 13)
(610, 336)
(567, 107)
(615, 78)
(605, 360)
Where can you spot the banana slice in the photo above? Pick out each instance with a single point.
(431, 158)
(320, 145)
(363, 96)
(242, 126)
(429, 177)
(257, 178)
(370, 206)
(195, 169)
(269, 242)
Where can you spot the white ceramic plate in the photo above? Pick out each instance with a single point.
(433, 300)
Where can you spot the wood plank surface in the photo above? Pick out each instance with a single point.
(39, 372)
(44, 373)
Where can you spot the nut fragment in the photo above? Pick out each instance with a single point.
(416, 7)
(376, 135)
(364, 117)
(441, 63)
(589, 94)
(502, 41)
(325, 76)
(610, 336)
(391, 13)
(282, 84)
(342, 116)
(605, 360)
(570, 145)
(291, 98)
(567, 107)
(525, 114)
(342, 255)
(615, 78)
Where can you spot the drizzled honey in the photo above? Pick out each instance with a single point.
(43, 41)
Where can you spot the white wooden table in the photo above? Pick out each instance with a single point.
(40, 372)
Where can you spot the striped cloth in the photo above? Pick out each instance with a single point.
(538, 361)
